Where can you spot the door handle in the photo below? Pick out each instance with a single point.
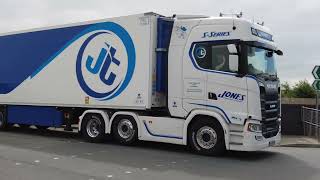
(212, 96)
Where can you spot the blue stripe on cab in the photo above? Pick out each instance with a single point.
(158, 135)
(216, 107)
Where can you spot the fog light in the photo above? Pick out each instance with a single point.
(254, 128)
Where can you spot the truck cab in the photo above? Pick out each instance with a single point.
(226, 65)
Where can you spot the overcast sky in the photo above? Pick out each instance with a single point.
(295, 23)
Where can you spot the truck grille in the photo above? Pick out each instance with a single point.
(270, 110)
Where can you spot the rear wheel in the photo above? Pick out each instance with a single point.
(93, 128)
(206, 137)
(125, 130)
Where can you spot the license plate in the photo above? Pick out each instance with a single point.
(272, 143)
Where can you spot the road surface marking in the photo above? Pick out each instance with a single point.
(110, 176)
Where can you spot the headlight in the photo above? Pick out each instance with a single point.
(254, 128)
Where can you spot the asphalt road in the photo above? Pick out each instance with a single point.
(34, 155)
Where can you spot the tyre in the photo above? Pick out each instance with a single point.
(125, 130)
(93, 128)
(206, 137)
(3, 120)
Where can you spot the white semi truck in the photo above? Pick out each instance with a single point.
(207, 82)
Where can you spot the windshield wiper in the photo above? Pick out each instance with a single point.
(267, 76)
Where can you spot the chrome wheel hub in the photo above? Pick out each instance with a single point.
(206, 137)
(93, 127)
(125, 129)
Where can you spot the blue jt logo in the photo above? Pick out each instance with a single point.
(105, 58)
(100, 73)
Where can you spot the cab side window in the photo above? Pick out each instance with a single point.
(215, 57)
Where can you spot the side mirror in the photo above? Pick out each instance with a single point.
(279, 52)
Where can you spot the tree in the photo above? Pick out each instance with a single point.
(302, 89)
(286, 90)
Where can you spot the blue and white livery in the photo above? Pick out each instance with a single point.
(207, 82)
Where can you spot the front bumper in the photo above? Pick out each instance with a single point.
(250, 142)
(253, 141)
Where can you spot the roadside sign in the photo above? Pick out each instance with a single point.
(316, 84)
(316, 72)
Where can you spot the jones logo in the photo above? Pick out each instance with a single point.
(106, 61)
(215, 34)
(232, 96)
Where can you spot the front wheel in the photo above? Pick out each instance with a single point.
(93, 128)
(206, 137)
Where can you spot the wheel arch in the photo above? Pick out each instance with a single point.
(103, 113)
(210, 114)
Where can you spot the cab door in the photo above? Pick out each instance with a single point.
(194, 86)
(210, 73)
(226, 91)
(214, 83)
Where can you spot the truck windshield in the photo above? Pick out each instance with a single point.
(261, 62)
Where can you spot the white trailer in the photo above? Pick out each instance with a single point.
(207, 82)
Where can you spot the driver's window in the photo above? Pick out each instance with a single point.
(216, 57)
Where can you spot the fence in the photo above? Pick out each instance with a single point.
(311, 122)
